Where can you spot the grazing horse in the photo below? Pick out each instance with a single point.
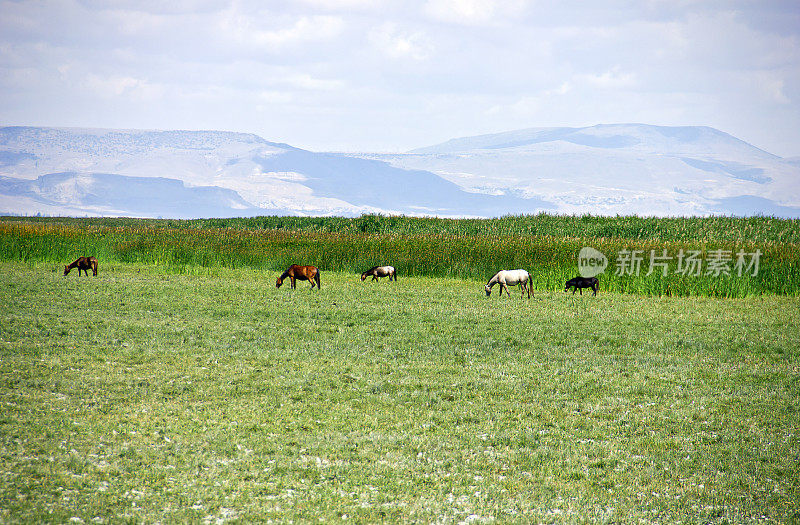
(380, 271)
(82, 263)
(300, 273)
(579, 283)
(508, 278)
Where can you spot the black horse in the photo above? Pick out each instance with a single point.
(578, 283)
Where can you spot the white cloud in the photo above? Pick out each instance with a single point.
(138, 22)
(304, 81)
(358, 74)
(771, 86)
(116, 86)
(345, 5)
(248, 29)
(614, 78)
(473, 12)
(395, 43)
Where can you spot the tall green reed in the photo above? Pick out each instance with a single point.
(177, 246)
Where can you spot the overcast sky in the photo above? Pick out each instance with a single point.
(385, 75)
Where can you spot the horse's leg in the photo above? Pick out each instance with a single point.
(291, 278)
(581, 290)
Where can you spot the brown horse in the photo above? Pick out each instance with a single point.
(300, 273)
(82, 263)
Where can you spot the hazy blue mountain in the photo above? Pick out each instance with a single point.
(212, 173)
(605, 169)
(663, 139)
(619, 169)
(109, 194)
(364, 182)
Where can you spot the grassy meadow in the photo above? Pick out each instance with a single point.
(210, 396)
(179, 385)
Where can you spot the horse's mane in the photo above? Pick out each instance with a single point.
(284, 274)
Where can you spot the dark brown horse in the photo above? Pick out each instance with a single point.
(380, 271)
(300, 273)
(82, 263)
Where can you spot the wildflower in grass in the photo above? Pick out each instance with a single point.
(719, 262)
(689, 263)
(754, 260)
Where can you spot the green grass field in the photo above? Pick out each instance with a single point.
(144, 395)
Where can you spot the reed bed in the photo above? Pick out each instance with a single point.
(546, 245)
(761, 230)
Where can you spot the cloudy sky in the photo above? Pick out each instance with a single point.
(390, 75)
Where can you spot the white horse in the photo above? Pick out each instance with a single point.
(380, 271)
(508, 278)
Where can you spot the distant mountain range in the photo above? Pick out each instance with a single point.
(620, 169)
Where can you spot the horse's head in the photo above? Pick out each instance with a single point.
(278, 283)
(66, 270)
(363, 276)
(488, 290)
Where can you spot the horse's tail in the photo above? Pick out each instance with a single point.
(316, 279)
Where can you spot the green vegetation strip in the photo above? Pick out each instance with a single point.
(145, 396)
(547, 246)
(763, 230)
